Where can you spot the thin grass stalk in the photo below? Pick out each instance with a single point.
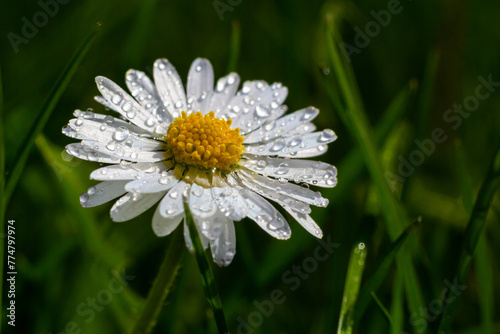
(351, 289)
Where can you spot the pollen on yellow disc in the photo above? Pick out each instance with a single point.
(204, 141)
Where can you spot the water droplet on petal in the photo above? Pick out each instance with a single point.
(121, 134)
(278, 145)
(116, 99)
(111, 145)
(262, 111)
(326, 135)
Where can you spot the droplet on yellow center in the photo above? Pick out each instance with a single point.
(204, 141)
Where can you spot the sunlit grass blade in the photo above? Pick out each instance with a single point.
(162, 284)
(207, 276)
(380, 274)
(356, 122)
(351, 289)
(234, 51)
(381, 307)
(46, 110)
(472, 233)
(352, 165)
(482, 257)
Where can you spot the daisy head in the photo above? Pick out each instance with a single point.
(225, 152)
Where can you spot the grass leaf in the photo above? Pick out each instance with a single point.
(472, 233)
(46, 111)
(351, 289)
(380, 274)
(356, 122)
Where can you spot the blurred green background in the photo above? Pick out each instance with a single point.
(66, 255)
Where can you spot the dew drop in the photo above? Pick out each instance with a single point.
(278, 145)
(121, 134)
(111, 145)
(116, 99)
(296, 140)
(262, 111)
(326, 135)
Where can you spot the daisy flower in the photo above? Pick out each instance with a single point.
(225, 152)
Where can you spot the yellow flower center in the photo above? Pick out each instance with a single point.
(204, 141)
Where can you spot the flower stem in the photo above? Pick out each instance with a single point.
(162, 284)
(207, 276)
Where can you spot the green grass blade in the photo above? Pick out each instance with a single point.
(46, 111)
(357, 124)
(397, 307)
(380, 274)
(234, 52)
(381, 307)
(351, 289)
(162, 284)
(473, 231)
(207, 276)
(353, 165)
(482, 257)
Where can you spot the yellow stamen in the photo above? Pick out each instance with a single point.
(204, 141)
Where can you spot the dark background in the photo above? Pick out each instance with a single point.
(66, 254)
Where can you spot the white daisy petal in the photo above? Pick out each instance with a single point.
(163, 226)
(169, 86)
(153, 183)
(313, 172)
(144, 91)
(124, 104)
(275, 194)
(224, 247)
(266, 215)
(102, 193)
(306, 221)
(132, 205)
(200, 85)
(104, 102)
(224, 90)
(256, 103)
(230, 202)
(119, 152)
(108, 120)
(189, 242)
(172, 205)
(80, 151)
(201, 202)
(127, 171)
(302, 129)
(293, 146)
(300, 193)
(283, 126)
(115, 136)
